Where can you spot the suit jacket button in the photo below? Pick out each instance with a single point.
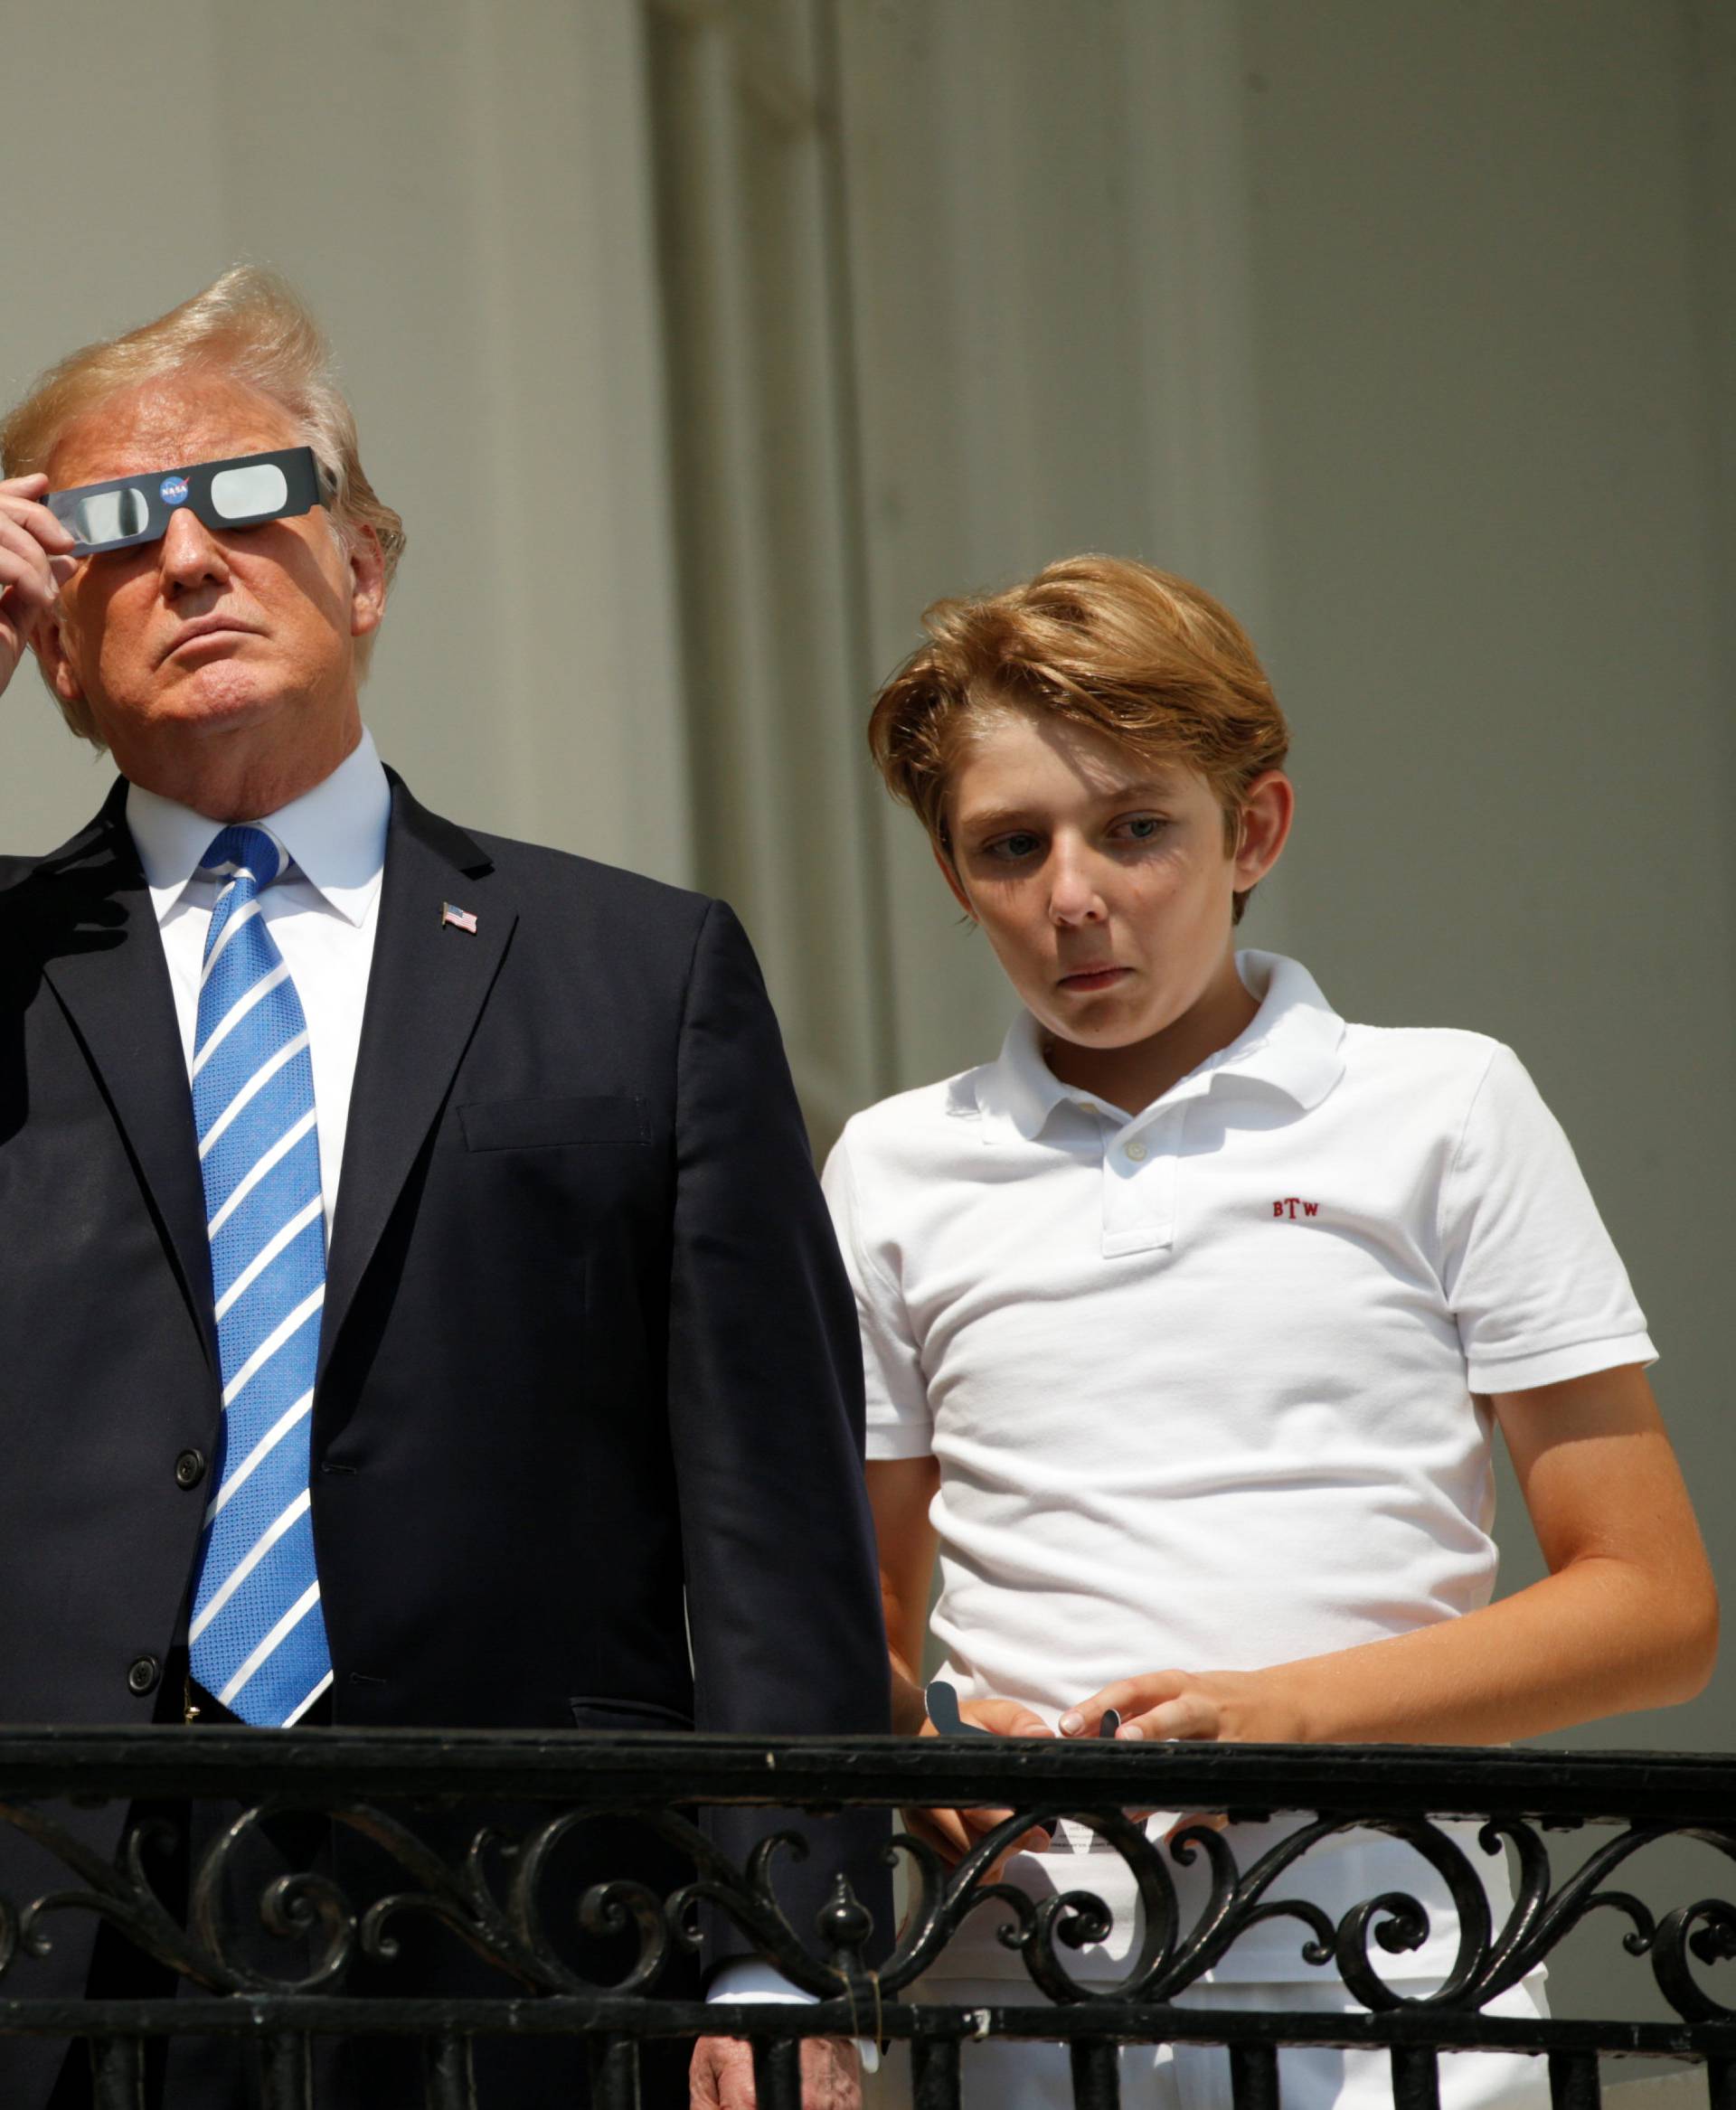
(190, 1468)
(142, 1674)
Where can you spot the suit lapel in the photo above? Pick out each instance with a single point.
(87, 915)
(427, 986)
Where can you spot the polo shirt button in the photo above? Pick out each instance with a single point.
(142, 1674)
(1085, 1106)
(1135, 1151)
(190, 1468)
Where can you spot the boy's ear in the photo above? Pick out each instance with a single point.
(952, 878)
(1268, 808)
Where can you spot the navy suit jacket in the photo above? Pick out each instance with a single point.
(589, 1370)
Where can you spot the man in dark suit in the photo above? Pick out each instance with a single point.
(419, 1308)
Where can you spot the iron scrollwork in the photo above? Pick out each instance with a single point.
(490, 1892)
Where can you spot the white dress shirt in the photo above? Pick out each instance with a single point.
(322, 914)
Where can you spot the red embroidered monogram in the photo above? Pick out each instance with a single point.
(1291, 1203)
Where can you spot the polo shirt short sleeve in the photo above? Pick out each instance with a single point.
(1208, 1387)
(1526, 1263)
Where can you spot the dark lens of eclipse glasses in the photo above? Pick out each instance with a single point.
(243, 491)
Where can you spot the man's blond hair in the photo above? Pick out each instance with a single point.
(252, 326)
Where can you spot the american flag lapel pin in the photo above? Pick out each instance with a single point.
(460, 919)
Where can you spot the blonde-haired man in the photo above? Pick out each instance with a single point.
(437, 1365)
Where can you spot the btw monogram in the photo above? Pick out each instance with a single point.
(1291, 1203)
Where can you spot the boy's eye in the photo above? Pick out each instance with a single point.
(1021, 844)
(1143, 827)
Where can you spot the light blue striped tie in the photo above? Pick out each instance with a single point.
(258, 1633)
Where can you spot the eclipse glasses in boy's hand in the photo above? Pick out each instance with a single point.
(941, 1700)
(245, 491)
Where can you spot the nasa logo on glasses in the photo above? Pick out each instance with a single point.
(245, 491)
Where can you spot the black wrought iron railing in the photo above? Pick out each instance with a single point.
(469, 1826)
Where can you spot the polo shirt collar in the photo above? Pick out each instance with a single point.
(335, 835)
(1294, 1043)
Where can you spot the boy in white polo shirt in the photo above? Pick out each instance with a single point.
(1187, 1319)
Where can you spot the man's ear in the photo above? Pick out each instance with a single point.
(367, 582)
(48, 642)
(1268, 808)
(952, 878)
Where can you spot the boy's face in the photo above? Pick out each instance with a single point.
(1102, 880)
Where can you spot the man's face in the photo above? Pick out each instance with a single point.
(1103, 881)
(207, 633)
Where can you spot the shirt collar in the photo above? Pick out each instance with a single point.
(1293, 1043)
(335, 835)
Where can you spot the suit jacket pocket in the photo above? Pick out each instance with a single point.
(627, 1714)
(554, 1123)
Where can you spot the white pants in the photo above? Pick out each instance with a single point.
(1013, 2076)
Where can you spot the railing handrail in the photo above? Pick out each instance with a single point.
(1680, 1788)
(469, 1822)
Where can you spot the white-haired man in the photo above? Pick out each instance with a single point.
(388, 1337)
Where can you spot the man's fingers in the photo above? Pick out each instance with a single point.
(19, 525)
(831, 2074)
(22, 501)
(721, 2077)
(26, 578)
(17, 537)
(23, 507)
(22, 608)
(701, 2076)
(28, 585)
(34, 561)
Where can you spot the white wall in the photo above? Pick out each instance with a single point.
(462, 192)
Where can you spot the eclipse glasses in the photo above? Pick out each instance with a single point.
(245, 491)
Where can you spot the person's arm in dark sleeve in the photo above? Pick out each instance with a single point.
(766, 1420)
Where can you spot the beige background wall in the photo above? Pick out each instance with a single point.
(701, 345)
(1496, 538)
(462, 189)
(1492, 371)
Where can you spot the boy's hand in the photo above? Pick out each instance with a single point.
(954, 1832)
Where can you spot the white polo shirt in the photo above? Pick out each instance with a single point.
(1208, 1386)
